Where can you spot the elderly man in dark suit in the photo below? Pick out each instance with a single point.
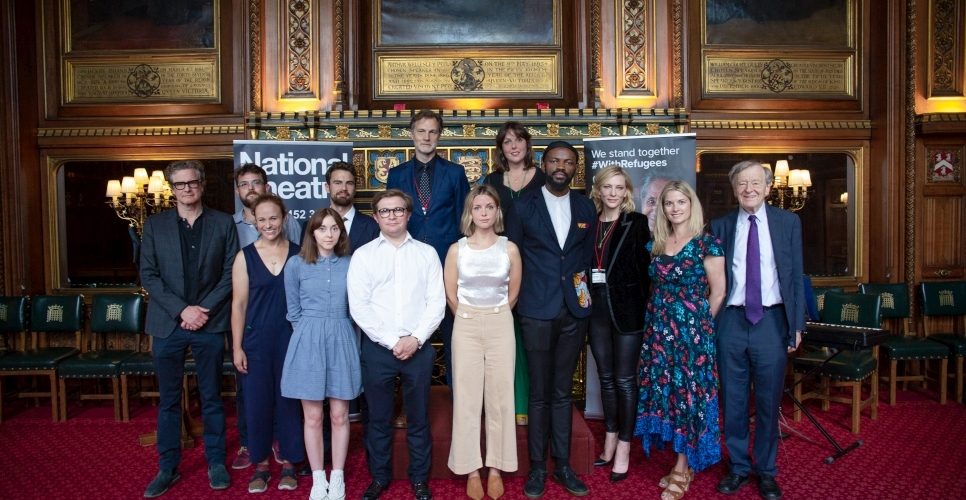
(186, 259)
(556, 239)
(762, 323)
(438, 188)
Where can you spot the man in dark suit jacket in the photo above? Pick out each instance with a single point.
(556, 239)
(762, 323)
(438, 188)
(186, 259)
(340, 183)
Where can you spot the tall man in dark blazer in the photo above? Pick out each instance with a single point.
(186, 259)
(761, 323)
(556, 238)
(438, 188)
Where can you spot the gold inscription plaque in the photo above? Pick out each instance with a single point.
(778, 77)
(134, 81)
(468, 76)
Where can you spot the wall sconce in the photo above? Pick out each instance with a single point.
(135, 198)
(790, 188)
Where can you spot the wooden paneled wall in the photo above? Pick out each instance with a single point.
(908, 105)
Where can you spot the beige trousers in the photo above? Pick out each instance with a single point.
(484, 354)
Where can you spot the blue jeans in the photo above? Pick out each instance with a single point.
(169, 356)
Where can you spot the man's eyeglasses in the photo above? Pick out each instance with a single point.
(398, 212)
(253, 184)
(180, 186)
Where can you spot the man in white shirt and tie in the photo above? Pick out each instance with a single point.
(396, 296)
(762, 323)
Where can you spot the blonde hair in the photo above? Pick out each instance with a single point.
(662, 226)
(627, 205)
(467, 227)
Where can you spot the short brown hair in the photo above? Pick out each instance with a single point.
(269, 198)
(389, 193)
(426, 113)
(251, 168)
(467, 227)
(339, 165)
(310, 249)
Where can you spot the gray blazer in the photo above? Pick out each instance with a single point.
(162, 271)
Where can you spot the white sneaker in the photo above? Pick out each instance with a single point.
(320, 486)
(336, 486)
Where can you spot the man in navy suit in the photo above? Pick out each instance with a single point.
(340, 183)
(556, 239)
(762, 323)
(438, 188)
(186, 258)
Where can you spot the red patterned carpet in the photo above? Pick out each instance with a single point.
(916, 449)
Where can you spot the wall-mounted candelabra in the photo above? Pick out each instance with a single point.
(790, 189)
(135, 198)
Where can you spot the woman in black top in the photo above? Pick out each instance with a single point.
(619, 289)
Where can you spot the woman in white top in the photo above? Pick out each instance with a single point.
(482, 278)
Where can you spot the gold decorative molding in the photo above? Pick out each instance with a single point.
(636, 47)
(593, 129)
(595, 40)
(469, 130)
(553, 129)
(283, 133)
(910, 160)
(342, 131)
(339, 49)
(782, 124)
(298, 49)
(945, 20)
(385, 131)
(677, 54)
(941, 118)
(255, 53)
(139, 131)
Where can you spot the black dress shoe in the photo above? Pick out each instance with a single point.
(730, 484)
(375, 490)
(568, 479)
(600, 462)
(421, 491)
(768, 488)
(534, 487)
(616, 477)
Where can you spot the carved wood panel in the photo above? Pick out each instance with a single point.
(947, 55)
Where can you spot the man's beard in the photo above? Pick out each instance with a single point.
(552, 181)
(342, 200)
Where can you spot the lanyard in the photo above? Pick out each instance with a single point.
(599, 247)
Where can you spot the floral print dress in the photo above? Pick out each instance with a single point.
(679, 376)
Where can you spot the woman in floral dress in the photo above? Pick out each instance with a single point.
(679, 378)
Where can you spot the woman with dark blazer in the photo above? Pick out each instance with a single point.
(514, 173)
(619, 288)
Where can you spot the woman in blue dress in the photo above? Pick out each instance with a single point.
(323, 355)
(260, 338)
(678, 399)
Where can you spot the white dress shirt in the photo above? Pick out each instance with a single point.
(560, 216)
(771, 292)
(348, 218)
(396, 292)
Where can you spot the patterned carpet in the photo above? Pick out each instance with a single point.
(916, 449)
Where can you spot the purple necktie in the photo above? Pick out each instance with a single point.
(753, 310)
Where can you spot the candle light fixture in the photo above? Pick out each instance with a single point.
(790, 188)
(136, 197)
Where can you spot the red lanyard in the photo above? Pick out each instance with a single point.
(599, 248)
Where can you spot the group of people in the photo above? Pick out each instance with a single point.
(517, 273)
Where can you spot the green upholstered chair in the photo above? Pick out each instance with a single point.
(138, 366)
(904, 345)
(13, 330)
(946, 301)
(847, 368)
(115, 322)
(48, 314)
